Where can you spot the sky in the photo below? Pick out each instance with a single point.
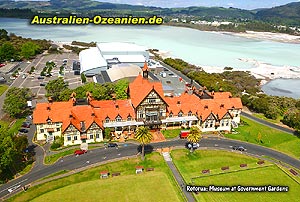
(244, 4)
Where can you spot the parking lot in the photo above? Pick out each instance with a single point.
(37, 83)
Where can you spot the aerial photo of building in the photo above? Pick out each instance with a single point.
(84, 120)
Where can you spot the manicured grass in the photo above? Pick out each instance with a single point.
(53, 158)
(153, 186)
(171, 133)
(126, 182)
(258, 177)
(26, 169)
(54, 174)
(191, 166)
(262, 116)
(3, 88)
(275, 139)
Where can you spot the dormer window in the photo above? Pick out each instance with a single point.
(190, 113)
(49, 121)
(180, 114)
(206, 107)
(222, 106)
(129, 118)
(119, 119)
(171, 115)
(107, 119)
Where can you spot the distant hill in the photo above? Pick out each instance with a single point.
(287, 14)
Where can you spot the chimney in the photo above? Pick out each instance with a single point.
(206, 107)
(145, 71)
(48, 107)
(222, 106)
(70, 116)
(50, 99)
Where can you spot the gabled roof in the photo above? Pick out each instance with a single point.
(141, 87)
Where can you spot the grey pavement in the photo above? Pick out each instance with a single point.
(178, 177)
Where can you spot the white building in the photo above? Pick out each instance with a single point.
(97, 59)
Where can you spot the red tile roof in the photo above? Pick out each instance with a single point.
(96, 112)
(141, 87)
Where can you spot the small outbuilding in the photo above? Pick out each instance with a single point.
(104, 174)
(139, 169)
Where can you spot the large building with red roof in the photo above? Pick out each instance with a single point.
(146, 105)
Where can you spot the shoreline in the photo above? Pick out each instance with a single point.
(263, 71)
(270, 36)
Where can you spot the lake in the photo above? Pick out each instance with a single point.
(193, 46)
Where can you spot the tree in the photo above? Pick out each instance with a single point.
(55, 87)
(7, 52)
(194, 136)
(83, 78)
(107, 133)
(15, 102)
(143, 136)
(29, 49)
(121, 87)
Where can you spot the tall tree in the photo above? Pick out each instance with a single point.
(15, 102)
(7, 52)
(144, 137)
(121, 87)
(29, 49)
(55, 87)
(194, 136)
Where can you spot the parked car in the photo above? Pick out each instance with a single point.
(79, 152)
(191, 145)
(112, 145)
(184, 133)
(40, 77)
(239, 148)
(42, 84)
(2, 65)
(23, 130)
(26, 125)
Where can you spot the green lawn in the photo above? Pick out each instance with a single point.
(3, 88)
(54, 157)
(191, 165)
(153, 186)
(275, 139)
(171, 133)
(262, 116)
(158, 185)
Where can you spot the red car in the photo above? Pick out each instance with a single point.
(79, 152)
(2, 65)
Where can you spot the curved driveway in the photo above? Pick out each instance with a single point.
(102, 154)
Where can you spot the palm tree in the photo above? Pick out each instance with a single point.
(194, 136)
(144, 137)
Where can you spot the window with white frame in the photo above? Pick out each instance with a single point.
(75, 137)
(118, 119)
(180, 114)
(129, 118)
(107, 120)
(91, 136)
(97, 135)
(42, 130)
(69, 138)
(190, 113)
(171, 115)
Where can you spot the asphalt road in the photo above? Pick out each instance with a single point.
(272, 125)
(102, 154)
